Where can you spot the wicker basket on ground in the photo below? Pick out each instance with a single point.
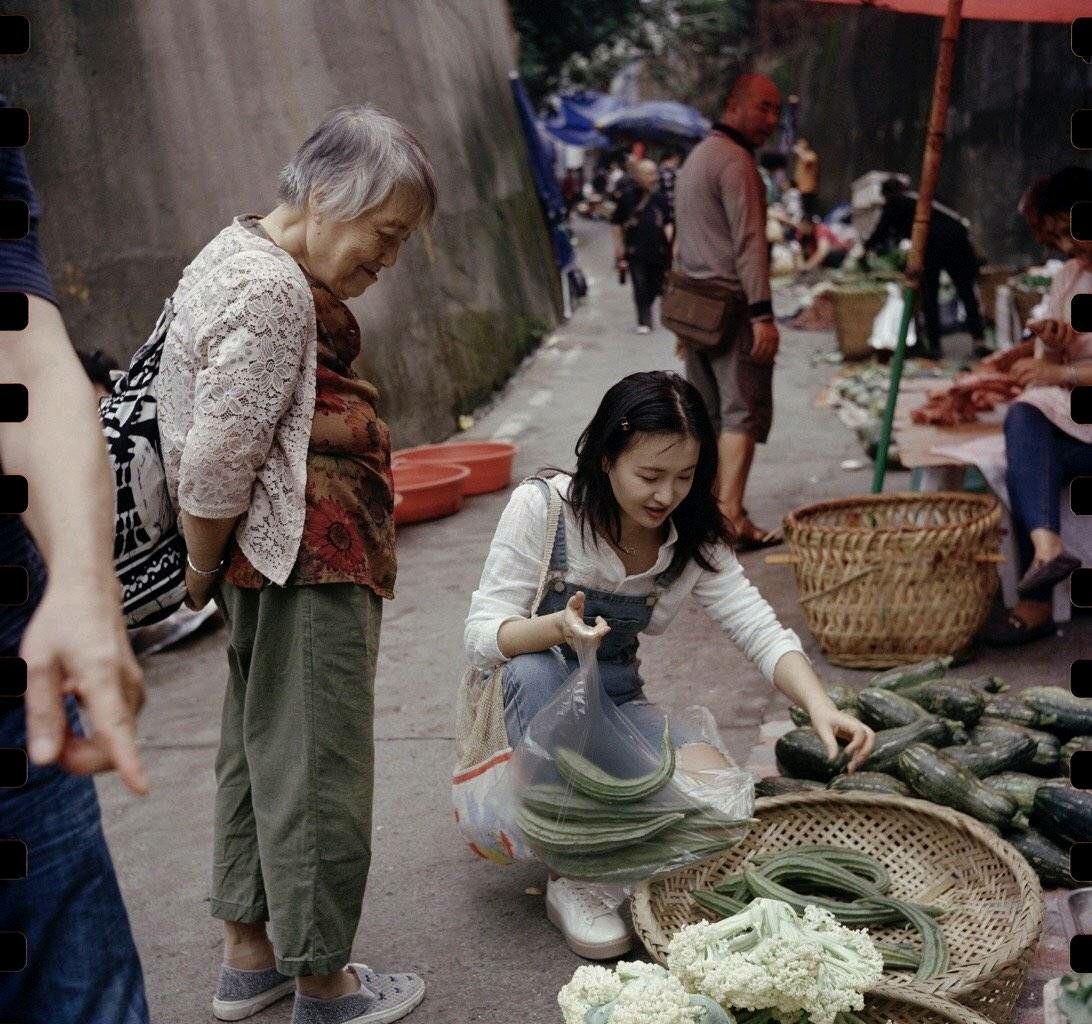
(854, 311)
(992, 898)
(894, 579)
(901, 1006)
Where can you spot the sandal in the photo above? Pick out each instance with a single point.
(750, 538)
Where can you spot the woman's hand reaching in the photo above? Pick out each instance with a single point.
(832, 724)
(573, 627)
(1055, 334)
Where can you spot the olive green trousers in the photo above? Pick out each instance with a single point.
(294, 773)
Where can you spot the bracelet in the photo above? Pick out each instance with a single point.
(207, 573)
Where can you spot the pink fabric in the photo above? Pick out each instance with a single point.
(1072, 279)
(989, 10)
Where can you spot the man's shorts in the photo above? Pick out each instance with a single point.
(738, 390)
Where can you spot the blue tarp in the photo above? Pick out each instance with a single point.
(663, 121)
(574, 123)
(542, 170)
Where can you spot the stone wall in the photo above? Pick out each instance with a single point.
(153, 122)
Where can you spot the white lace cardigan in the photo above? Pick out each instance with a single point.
(236, 394)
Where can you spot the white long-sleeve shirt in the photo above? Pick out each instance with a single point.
(512, 570)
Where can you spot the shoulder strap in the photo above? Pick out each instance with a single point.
(553, 516)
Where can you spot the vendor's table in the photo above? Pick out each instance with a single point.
(917, 446)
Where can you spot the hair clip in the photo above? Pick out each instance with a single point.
(624, 424)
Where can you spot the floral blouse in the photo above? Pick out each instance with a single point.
(348, 530)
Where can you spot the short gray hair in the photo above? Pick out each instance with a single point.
(353, 161)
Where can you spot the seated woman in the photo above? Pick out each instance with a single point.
(1045, 448)
(640, 530)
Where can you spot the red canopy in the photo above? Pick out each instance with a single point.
(989, 10)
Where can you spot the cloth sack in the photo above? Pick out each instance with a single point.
(149, 552)
(481, 779)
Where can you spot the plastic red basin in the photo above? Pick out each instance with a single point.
(428, 490)
(490, 462)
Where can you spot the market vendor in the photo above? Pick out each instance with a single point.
(1045, 448)
(639, 531)
(820, 246)
(948, 248)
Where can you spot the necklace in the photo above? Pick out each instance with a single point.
(625, 547)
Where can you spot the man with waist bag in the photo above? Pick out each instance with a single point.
(718, 297)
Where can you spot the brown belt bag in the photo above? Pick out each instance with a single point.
(699, 312)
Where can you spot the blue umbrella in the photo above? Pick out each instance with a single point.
(574, 122)
(663, 121)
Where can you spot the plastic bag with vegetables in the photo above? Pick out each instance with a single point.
(602, 793)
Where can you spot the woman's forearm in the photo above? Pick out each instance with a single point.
(794, 677)
(206, 539)
(528, 636)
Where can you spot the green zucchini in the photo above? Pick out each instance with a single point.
(1050, 861)
(910, 675)
(959, 733)
(591, 780)
(844, 698)
(1008, 752)
(1021, 787)
(1063, 813)
(948, 700)
(1059, 711)
(1011, 709)
(886, 709)
(890, 743)
(870, 782)
(801, 755)
(1045, 760)
(985, 685)
(935, 776)
(778, 785)
(1065, 754)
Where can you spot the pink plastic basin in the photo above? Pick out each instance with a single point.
(428, 490)
(490, 462)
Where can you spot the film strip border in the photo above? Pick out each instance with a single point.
(14, 496)
(1080, 584)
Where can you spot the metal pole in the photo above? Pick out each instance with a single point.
(930, 171)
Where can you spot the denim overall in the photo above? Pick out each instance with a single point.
(532, 680)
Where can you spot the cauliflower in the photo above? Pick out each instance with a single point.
(768, 958)
(636, 993)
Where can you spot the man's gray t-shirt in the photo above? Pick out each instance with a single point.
(720, 219)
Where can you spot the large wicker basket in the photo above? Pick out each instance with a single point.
(854, 311)
(992, 898)
(902, 1006)
(894, 579)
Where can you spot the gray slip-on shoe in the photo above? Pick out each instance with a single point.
(241, 994)
(1047, 574)
(382, 998)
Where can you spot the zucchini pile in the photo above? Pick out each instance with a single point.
(967, 744)
(851, 885)
(594, 825)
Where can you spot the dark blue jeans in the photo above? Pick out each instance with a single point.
(1041, 461)
(82, 964)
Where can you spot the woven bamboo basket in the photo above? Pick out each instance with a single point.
(854, 311)
(992, 899)
(901, 1006)
(894, 579)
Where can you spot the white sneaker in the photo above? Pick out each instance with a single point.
(589, 917)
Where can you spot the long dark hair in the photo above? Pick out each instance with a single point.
(655, 402)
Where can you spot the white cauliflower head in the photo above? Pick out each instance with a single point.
(590, 986)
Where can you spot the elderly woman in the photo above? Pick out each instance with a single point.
(280, 469)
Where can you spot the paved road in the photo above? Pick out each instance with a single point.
(476, 932)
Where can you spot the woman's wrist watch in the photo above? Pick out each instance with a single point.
(207, 573)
